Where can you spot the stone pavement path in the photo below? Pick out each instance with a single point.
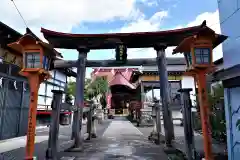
(120, 141)
(218, 148)
(40, 148)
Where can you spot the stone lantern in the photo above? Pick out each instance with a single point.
(197, 51)
(37, 59)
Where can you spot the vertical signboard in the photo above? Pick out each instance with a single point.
(121, 53)
(109, 96)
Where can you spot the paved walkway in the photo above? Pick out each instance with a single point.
(218, 148)
(120, 141)
(14, 149)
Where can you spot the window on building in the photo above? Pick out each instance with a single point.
(42, 89)
(41, 100)
(63, 84)
(49, 88)
(60, 76)
(48, 101)
(63, 98)
(56, 82)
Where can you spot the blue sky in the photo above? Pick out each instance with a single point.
(180, 13)
(102, 16)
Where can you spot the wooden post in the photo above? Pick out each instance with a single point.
(204, 112)
(34, 79)
(79, 100)
(163, 76)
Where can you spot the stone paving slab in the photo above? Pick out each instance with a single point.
(120, 141)
(218, 148)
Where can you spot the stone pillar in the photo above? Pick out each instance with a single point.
(158, 122)
(94, 132)
(89, 121)
(52, 149)
(142, 95)
(79, 99)
(163, 76)
(156, 132)
(187, 122)
(152, 93)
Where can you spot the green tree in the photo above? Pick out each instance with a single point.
(216, 95)
(99, 85)
(68, 99)
(91, 89)
(71, 88)
(217, 116)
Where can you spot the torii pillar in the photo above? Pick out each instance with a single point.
(79, 100)
(163, 80)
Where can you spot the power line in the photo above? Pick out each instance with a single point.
(19, 13)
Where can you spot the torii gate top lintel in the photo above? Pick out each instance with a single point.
(131, 40)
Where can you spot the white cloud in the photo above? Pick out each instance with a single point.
(144, 25)
(212, 19)
(154, 24)
(150, 3)
(62, 15)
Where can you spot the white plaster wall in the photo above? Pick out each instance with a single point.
(188, 82)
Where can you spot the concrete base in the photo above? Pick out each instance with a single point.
(155, 138)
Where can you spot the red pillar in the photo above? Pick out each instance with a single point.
(204, 112)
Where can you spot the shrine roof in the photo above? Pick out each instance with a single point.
(120, 79)
(131, 40)
(7, 34)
